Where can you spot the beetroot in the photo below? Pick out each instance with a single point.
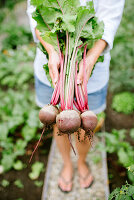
(47, 114)
(89, 120)
(68, 121)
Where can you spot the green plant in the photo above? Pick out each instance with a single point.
(9, 4)
(123, 102)
(38, 183)
(19, 183)
(122, 62)
(115, 143)
(16, 36)
(18, 165)
(37, 168)
(5, 183)
(126, 192)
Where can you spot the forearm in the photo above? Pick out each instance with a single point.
(49, 48)
(94, 53)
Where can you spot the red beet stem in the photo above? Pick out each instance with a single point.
(60, 7)
(76, 105)
(81, 97)
(76, 88)
(54, 93)
(55, 102)
(71, 83)
(85, 77)
(62, 85)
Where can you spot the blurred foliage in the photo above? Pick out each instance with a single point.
(18, 183)
(116, 143)
(16, 71)
(9, 3)
(37, 168)
(5, 183)
(18, 111)
(126, 192)
(15, 35)
(122, 63)
(123, 102)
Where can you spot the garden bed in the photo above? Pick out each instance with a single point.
(30, 190)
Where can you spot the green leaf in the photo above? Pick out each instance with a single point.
(38, 183)
(131, 190)
(50, 15)
(19, 148)
(5, 183)
(33, 119)
(19, 199)
(83, 17)
(132, 133)
(37, 2)
(130, 176)
(68, 22)
(7, 161)
(28, 133)
(14, 122)
(19, 183)
(47, 73)
(18, 165)
(123, 157)
(37, 168)
(114, 194)
(50, 38)
(3, 131)
(123, 102)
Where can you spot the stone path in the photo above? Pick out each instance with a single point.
(98, 191)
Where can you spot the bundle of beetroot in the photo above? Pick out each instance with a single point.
(72, 29)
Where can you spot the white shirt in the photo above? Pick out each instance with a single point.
(108, 11)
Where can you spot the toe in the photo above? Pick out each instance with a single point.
(69, 187)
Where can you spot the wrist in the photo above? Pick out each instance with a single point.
(50, 50)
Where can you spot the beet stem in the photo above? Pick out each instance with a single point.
(85, 77)
(76, 88)
(54, 93)
(60, 7)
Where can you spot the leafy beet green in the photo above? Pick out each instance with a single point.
(54, 17)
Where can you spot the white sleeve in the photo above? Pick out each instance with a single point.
(110, 12)
(32, 22)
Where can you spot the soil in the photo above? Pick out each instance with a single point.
(116, 173)
(30, 191)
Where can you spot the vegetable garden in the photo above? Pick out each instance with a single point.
(20, 127)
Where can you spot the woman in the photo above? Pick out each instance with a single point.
(110, 11)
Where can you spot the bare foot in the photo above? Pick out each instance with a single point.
(85, 177)
(65, 179)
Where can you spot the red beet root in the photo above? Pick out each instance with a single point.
(89, 120)
(68, 121)
(47, 114)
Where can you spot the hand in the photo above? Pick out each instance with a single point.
(91, 58)
(90, 62)
(54, 60)
(54, 64)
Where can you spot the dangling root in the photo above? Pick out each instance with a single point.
(70, 140)
(46, 127)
